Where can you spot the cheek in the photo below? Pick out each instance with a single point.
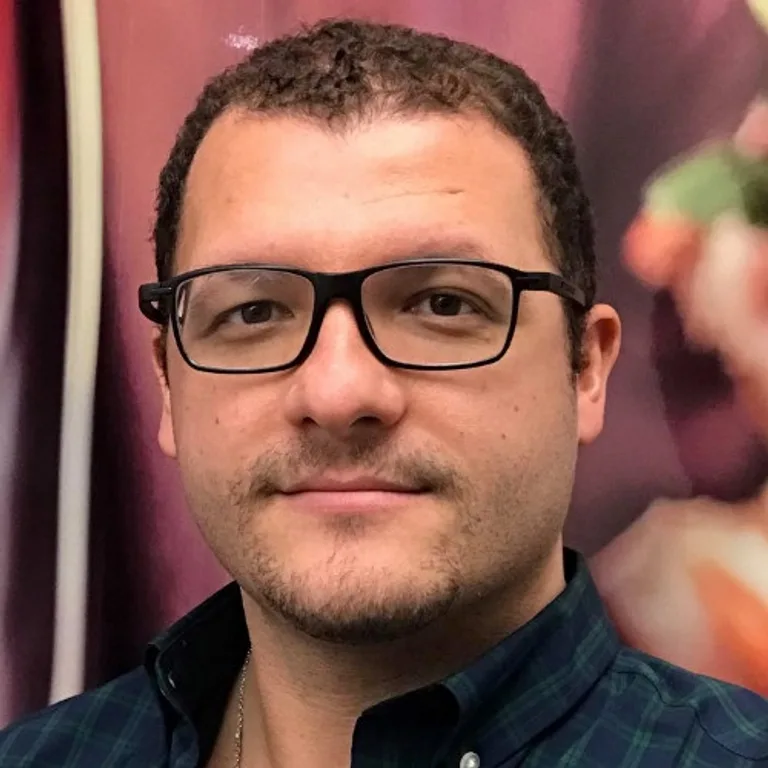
(494, 414)
(221, 420)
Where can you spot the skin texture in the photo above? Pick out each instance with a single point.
(347, 609)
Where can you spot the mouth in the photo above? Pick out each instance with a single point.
(350, 495)
(350, 484)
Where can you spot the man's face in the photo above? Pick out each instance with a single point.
(480, 461)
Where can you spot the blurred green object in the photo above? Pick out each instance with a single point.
(713, 179)
(710, 181)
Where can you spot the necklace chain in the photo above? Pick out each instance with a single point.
(240, 711)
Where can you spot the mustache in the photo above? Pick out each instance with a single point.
(281, 467)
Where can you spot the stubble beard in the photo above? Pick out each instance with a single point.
(343, 600)
(339, 598)
(360, 606)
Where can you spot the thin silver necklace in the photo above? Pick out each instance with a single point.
(240, 711)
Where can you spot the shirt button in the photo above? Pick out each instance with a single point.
(470, 760)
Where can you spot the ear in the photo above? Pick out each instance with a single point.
(165, 435)
(600, 348)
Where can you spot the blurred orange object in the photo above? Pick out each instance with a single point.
(659, 251)
(738, 619)
(688, 582)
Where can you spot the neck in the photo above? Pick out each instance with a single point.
(304, 696)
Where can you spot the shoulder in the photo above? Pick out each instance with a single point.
(111, 726)
(718, 721)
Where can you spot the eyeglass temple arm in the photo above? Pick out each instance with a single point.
(546, 281)
(154, 300)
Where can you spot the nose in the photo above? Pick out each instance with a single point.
(342, 388)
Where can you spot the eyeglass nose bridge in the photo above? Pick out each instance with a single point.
(346, 287)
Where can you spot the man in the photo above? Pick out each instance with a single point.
(379, 351)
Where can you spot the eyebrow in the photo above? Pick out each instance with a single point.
(429, 248)
(442, 248)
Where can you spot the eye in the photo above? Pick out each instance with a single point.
(448, 304)
(263, 312)
(441, 304)
(259, 311)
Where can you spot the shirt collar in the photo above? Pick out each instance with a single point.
(193, 665)
(536, 674)
(518, 688)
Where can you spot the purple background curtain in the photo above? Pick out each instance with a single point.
(638, 81)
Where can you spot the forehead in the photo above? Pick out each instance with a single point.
(290, 190)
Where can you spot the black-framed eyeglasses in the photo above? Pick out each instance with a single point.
(425, 314)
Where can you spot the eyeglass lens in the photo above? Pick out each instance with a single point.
(423, 314)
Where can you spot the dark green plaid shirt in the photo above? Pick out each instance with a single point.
(561, 691)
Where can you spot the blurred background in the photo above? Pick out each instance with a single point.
(639, 81)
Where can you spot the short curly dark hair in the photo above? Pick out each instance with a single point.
(339, 71)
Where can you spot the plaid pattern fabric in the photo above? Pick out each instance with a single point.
(561, 691)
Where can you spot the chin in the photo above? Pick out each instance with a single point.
(356, 623)
(352, 599)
